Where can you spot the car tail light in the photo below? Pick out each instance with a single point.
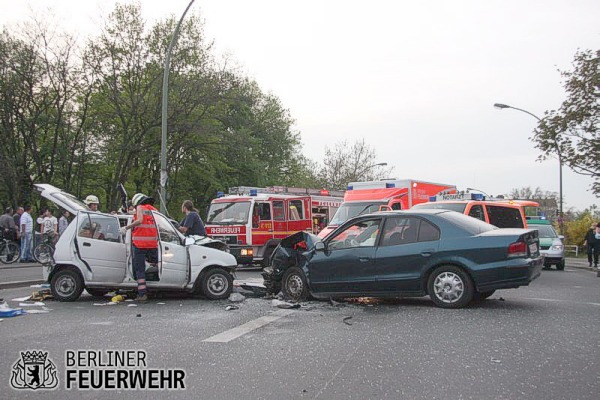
(517, 249)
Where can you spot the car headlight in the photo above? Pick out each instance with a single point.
(557, 247)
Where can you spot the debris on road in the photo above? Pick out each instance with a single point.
(7, 312)
(495, 360)
(37, 312)
(161, 304)
(230, 308)
(118, 298)
(236, 298)
(131, 305)
(42, 286)
(22, 298)
(42, 295)
(37, 303)
(284, 304)
(347, 319)
(333, 302)
(139, 315)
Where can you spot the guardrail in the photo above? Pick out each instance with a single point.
(572, 247)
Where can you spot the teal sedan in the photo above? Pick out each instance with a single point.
(452, 258)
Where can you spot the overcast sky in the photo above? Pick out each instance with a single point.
(417, 79)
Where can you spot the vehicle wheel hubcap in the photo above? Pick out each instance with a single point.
(448, 287)
(295, 285)
(65, 285)
(217, 284)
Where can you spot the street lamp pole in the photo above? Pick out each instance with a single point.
(560, 175)
(165, 102)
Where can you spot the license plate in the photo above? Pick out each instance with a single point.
(533, 248)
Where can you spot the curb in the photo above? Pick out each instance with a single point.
(17, 284)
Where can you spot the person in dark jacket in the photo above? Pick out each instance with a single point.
(592, 242)
(192, 223)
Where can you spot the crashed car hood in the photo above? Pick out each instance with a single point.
(209, 242)
(297, 245)
(61, 198)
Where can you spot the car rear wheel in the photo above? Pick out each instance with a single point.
(217, 284)
(561, 265)
(293, 285)
(450, 287)
(483, 295)
(66, 285)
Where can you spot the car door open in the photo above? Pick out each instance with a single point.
(100, 246)
(172, 254)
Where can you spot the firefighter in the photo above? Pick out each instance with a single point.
(144, 236)
(92, 202)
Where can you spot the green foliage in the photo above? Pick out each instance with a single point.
(88, 119)
(576, 229)
(573, 131)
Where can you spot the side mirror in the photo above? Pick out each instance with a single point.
(189, 241)
(320, 246)
(561, 237)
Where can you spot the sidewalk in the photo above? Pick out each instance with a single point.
(576, 262)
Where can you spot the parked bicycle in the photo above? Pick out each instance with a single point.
(9, 250)
(44, 251)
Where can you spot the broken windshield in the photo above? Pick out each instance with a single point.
(349, 210)
(228, 213)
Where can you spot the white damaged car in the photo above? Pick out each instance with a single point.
(91, 254)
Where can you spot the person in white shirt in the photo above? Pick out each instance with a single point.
(26, 235)
(63, 222)
(50, 225)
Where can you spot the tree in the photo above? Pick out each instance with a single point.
(573, 131)
(346, 163)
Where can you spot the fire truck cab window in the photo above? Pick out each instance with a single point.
(264, 211)
(477, 212)
(296, 210)
(396, 206)
(278, 211)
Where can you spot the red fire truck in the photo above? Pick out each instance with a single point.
(252, 220)
(367, 197)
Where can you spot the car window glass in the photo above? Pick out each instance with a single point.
(278, 211)
(400, 230)
(428, 232)
(264, 211)
(98, 227)
(396, 206)
(166, 231)
(504, 217)
(360, 234)
(296, 211)
(477, 212)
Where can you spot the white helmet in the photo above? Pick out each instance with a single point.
(140, 198)
(91, 199)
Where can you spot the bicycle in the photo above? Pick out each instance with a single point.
(9, 250)
(44, 251)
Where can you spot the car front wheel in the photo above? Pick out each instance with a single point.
(293, 285)
(66, 285)
(217, 284)
(561, 265)
(450, 287)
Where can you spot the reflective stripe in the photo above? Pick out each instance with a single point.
(146, 212)
(146, 238)
(145, 226)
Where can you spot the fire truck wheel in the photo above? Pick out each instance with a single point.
(293, 285)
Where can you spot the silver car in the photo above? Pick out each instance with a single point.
(91, 254)
(551, 244)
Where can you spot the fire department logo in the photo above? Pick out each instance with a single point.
(34, 371)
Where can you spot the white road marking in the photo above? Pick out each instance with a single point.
(563, 301)
(241, 330)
